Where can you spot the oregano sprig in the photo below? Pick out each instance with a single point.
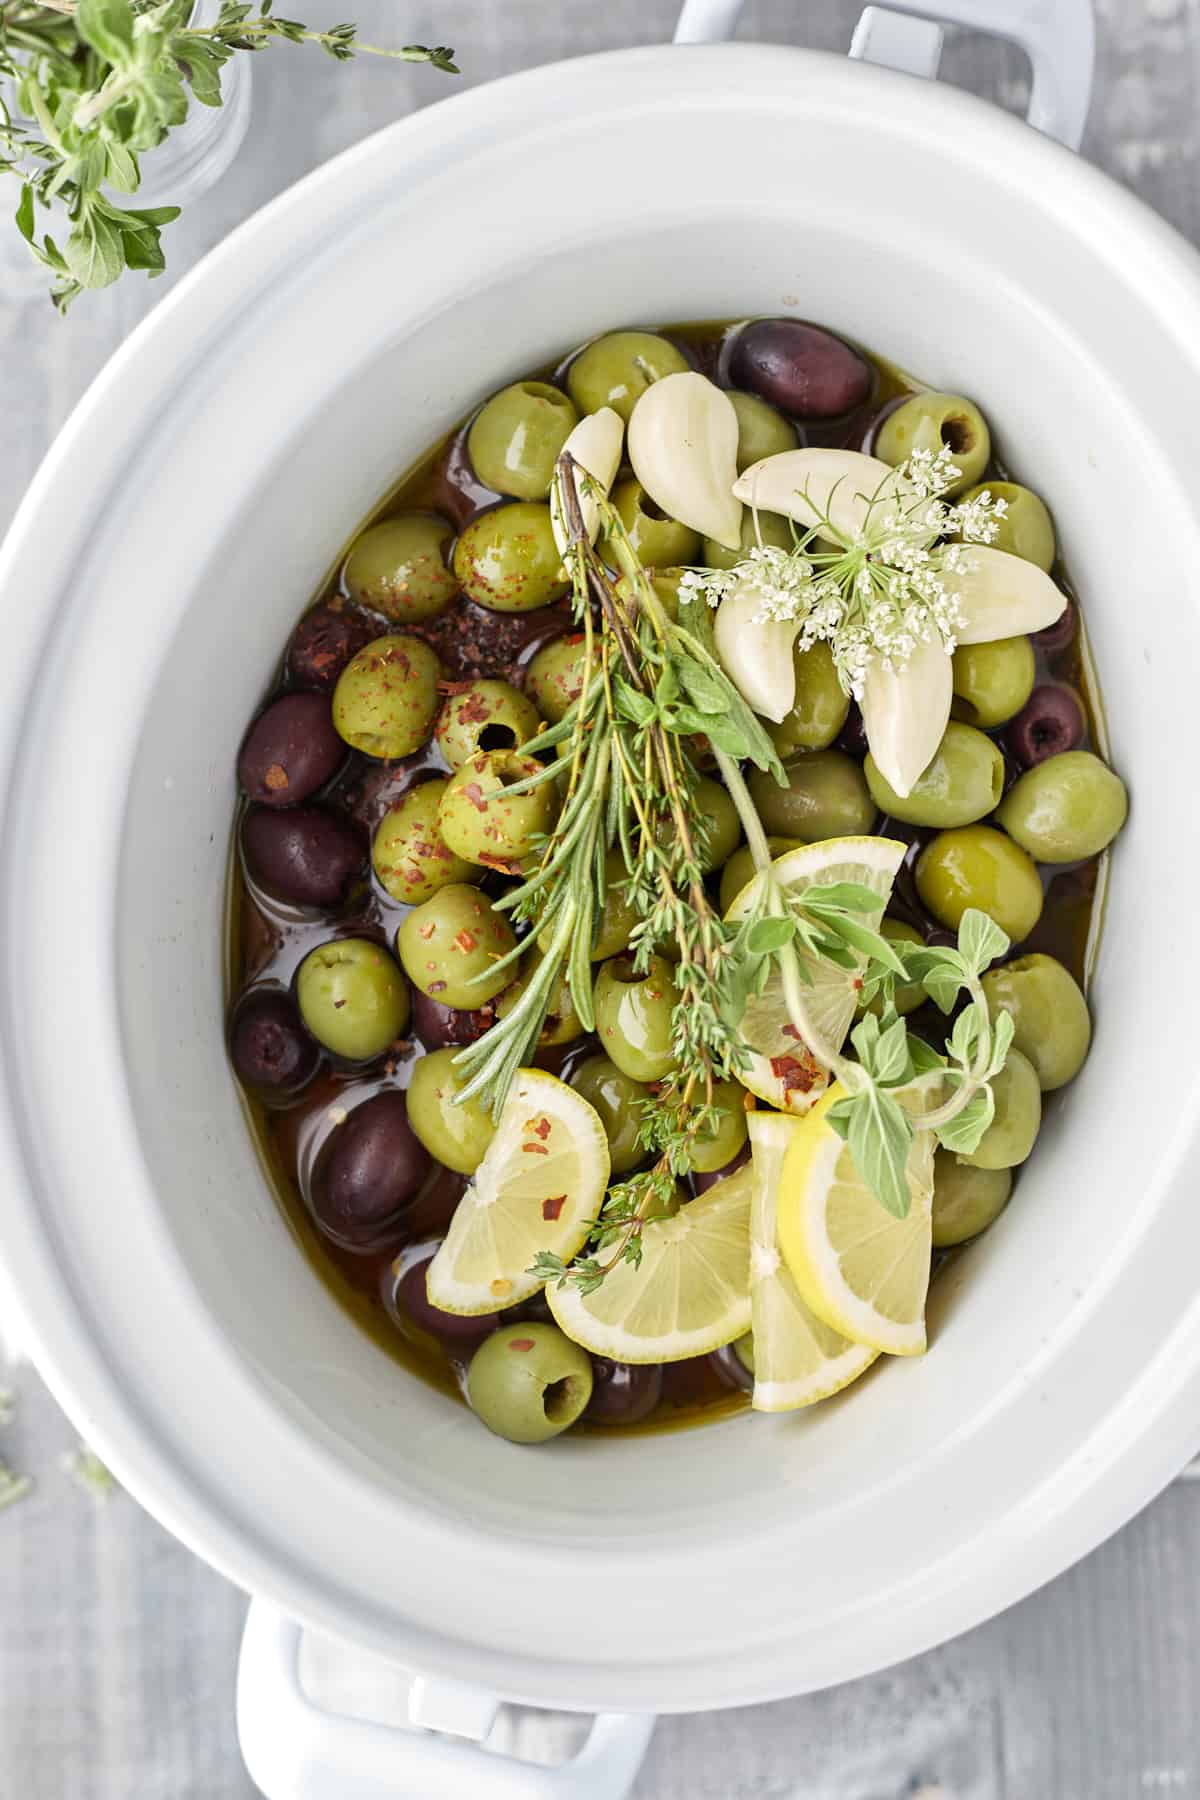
(88, 86)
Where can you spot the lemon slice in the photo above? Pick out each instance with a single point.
(781, 1069)
(539, 1186)
(862, 1271)
(798, 1359)
(691, 1293)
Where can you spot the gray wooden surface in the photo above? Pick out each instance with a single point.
(116, 1647)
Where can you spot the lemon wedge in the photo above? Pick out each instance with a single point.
(691, 1293)
(781, 1069)
(798, 1358)
(865, 1273)
(539, 1186)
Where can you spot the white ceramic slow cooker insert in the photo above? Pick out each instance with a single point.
(177, 529)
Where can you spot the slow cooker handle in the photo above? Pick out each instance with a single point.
(295, 1751)
(1059, 37)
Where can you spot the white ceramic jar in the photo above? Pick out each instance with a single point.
(177, 528)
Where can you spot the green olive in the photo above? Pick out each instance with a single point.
(484, 820)
(1069, 807)
(908, 994)
(618, 1099)
(386, 698)
(484, 715)
(658, 542)
(633, 1016)
(740, 867)
(820, 708)
(450, 946)
(761, 430)
(1052, 1025)
(399, 567)
(561, 1024)
(743, 1349)
(554, 680)
(713, 1148)
(963, 782)
(826, 797)
(507, 558)
(975, 865)
(1026, 529)
(410, 856)
(617, 369)
(617, 917)
(529, 1383)
(517, 435)
(665, 583)
(773, 530)
(352, 997)
(993, 681)
(715, 806)
(455, 1132)
(929, 422)
(1012, 1134)
(966, 1199)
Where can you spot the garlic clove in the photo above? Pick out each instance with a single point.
(596, 444)
(683, 437)
(757, 657)
(1001, 595)
(905, 714)
(805, 484)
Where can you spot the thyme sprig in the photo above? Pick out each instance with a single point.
(87, 86)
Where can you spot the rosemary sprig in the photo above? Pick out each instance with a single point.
(86, 86)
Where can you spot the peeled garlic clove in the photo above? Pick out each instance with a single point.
(757, 656)
(806, 484)
(905, 714)
(1001, 595)
(595, 444)
(683, 437)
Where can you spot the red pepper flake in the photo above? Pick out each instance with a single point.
(795, 1073)
(858, 984)
(520, 1343)
(789, 1031)
(552, 1208)
(338, 1003)
(474, 794)
(535, 1149)
(276, 778)
(540, 1126)
(436, 987)
(466, 941)
(427, 930)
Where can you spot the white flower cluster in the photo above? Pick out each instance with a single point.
(876, 595)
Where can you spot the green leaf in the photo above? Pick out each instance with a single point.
(122, 171)
(870, 943)
(703, 689)
(766, 936)
(667, 688)
(980, 940)
(633, 704)
(95, 254)
(24, 213)
(963, 1132)
(940, 972)
(843, 896)
(892, 1061)
(155, 215)
(879, 1134)
(203, 61)
(1002, 1037)
(964, 1039)
(923, 1057)
(107, 25)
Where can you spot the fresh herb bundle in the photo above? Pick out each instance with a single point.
(86, 86)
(624, 757)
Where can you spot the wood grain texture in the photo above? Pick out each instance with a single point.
(117, 1648)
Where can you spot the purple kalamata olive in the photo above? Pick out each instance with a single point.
(800, 368)
(1059, 635)
(304, 854)
(268, 1045)
(734, 1364)
(324, 642)
(438, 1026)
(412, 1305)
(290, 750)
(369, 1170)
(623, 1393)
(1051, 721)
(700, 1182)
(853, 736)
